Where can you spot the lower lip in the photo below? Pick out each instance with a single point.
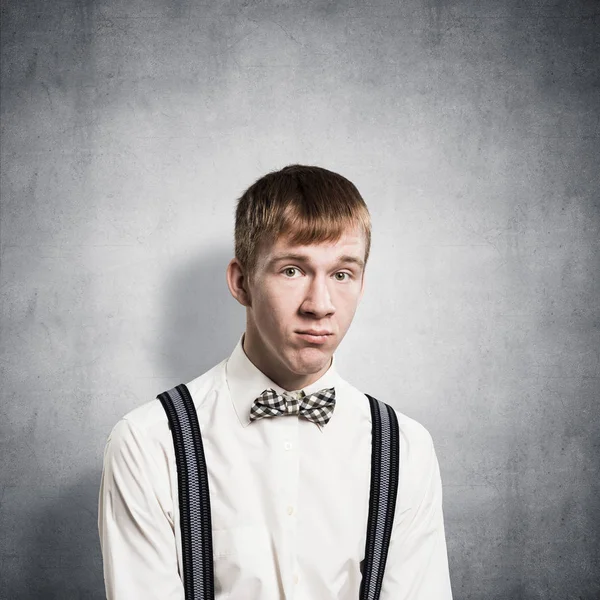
(314, 339)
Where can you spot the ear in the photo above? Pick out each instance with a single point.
(237, 282)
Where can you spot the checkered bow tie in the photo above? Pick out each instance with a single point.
(316, 407)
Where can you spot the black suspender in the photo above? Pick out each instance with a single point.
(194, 503)
(194, 496)
(385, 464)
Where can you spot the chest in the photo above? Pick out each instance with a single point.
(289, 505)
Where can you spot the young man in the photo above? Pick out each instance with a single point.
(289, 496)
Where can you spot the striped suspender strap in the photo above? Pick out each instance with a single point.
(194, 499)
(385, 463)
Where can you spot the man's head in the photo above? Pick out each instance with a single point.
(319, 217)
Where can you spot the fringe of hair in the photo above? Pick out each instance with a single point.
(307, 203)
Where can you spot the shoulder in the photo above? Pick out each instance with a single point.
(419, 467)
(416, 437)
(418, 460)
(416, 443)
(413, 434)
(148, 424)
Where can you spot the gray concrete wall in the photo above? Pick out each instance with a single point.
(470, 127)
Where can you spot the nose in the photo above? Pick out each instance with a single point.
(318, 300)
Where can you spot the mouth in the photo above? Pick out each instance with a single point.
(314, 338)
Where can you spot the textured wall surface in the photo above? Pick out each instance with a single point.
(472, 130)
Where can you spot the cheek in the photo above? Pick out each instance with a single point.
(273, 310)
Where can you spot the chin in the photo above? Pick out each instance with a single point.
(313, 360)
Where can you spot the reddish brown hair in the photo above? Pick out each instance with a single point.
(309, 204)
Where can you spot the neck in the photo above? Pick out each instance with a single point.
(275, 370)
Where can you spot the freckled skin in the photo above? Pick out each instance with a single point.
(293, 295)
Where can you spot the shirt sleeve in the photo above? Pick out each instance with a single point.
(417, 562)
(134, 522)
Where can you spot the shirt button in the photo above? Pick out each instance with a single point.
(295, 577)
(290, 510)
(287, 446)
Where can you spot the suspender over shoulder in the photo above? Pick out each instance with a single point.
(385, 465)
(194, 496)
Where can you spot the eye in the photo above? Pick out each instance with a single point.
(349, 276)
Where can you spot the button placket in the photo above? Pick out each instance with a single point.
(290, 459)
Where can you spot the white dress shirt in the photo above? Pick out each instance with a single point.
(289, 498)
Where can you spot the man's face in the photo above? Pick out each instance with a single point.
(290, 295)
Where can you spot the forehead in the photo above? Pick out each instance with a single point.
(351, 245)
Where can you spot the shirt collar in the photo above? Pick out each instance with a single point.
(246, 382)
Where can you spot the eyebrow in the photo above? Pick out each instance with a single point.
(345, 258)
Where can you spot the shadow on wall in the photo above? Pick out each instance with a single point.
(202, 320)
(62, 548)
